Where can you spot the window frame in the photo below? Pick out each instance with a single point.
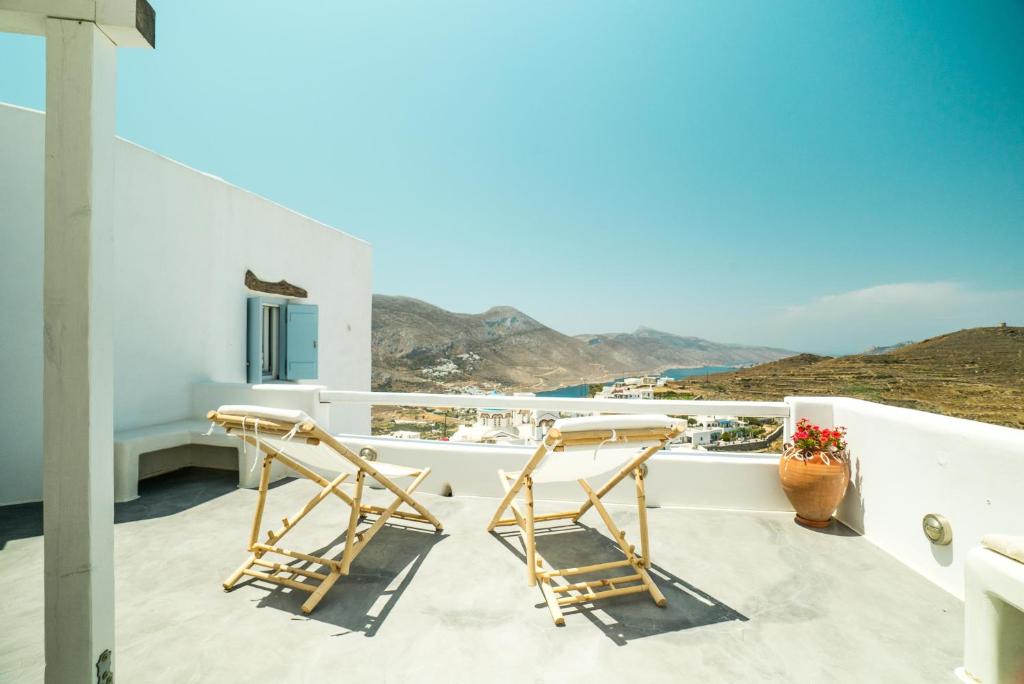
(271, 338)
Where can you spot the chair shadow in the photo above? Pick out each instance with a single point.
(624, 618)
(361, 601)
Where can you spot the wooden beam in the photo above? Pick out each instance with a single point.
(282, 287)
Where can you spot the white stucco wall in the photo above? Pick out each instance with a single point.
(183, 241)
(21, 290)
(908, 463)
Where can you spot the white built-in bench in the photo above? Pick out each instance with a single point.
(131, 445)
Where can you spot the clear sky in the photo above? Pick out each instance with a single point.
(820, 176)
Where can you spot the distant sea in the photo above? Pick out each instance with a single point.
(581, 391)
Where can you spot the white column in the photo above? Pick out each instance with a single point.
(78, 495)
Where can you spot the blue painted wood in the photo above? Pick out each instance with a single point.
(300, 341)
(254, 341)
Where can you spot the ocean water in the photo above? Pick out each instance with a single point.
(580, 391)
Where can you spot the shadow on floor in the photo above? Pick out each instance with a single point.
(362, 601)
(20, 521)
(175, 492)
(158, 496)
(624, 618)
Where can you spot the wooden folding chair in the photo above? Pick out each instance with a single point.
(299, 443)
(577, 449)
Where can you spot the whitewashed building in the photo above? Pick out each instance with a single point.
(717, 421)
(508, 424)
(700, 436)
(183, 242)
(626, 391)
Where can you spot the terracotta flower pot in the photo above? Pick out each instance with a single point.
(814, 487)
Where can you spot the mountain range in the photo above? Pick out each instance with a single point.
(419, 346)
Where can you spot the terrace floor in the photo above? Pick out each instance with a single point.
(752, 597)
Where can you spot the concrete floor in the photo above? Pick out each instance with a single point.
(752, 597)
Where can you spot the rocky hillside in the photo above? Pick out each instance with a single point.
(420, 346)
(976, 374)
(647, 348)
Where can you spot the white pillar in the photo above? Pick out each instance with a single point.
(78, 495)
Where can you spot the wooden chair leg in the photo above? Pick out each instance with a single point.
(533, 558)
(261, 500)
(641, 505)
(531, 549)
(320, 591)
(656, 595)
(230, 582)
(353, 522)
(552, 600)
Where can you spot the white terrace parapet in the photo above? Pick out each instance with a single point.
(733, 481)
(674, 407)
(909, 463)
(905, 464)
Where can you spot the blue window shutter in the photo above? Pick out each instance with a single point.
(300, 340)
(254, 341)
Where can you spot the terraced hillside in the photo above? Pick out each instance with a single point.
(976, 374)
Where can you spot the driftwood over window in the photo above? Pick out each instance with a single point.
(281, 287)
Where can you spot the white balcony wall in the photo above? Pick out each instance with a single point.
(183, 241)
(680, 479)
(21, 291)
(908, 463)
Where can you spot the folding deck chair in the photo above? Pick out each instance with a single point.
(577, 449)
(298, 442)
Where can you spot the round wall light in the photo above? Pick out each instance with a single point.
(368, 454)
(937, 529)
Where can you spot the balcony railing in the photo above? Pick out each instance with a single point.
(672, 407)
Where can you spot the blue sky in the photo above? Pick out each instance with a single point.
(820, 176)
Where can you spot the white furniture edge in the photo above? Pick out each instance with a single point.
(993, 617)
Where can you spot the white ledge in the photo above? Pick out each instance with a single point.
(757, 409)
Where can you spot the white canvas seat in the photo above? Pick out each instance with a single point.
(296, 441)
(579, 449)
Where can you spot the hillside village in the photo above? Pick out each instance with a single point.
(528, 426)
